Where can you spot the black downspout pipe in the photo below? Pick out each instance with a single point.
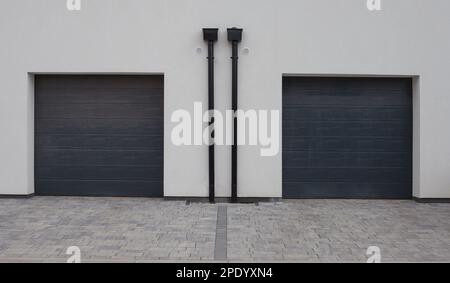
(234, 36)
(210, 36)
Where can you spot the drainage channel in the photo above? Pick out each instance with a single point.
(220, 249)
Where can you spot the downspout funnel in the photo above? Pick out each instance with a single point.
(234, 36)
(210, 36)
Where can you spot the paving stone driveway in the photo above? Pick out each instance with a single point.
(141, 230)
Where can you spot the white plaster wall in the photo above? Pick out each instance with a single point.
(339, 37)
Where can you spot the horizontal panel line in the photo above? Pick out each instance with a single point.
(80, 132)
(107, 136)
(350, 136)
(74, 89)
(155, 148)
(105, 166)
(344, 151)
(97, 165)
(161, 119)
(346, 167)
(347, 182)
(328, 87)
(364, 106)
(391, 169)
(342, 181)
(347, 121)
(102, 150)
(99, 180)
(343, 120)
(96, 103)
(345, 106)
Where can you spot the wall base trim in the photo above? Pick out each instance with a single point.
(432, 200)
(228, 199)
(16, 196)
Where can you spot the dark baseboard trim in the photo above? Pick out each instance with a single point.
(16, 196)
(432, 200)
(342, 198)
(222, 199)
(240, 200)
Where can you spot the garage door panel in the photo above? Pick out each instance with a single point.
(98, 188)
(346, 128)
(99, 157)
(89, 111)
(151, 96)
(99, 126)
(348, 174)
(367, 91)
(303, 113)
(100, 142)
(335, 83)
(104, 172)
(347, 98)
(99, 135)
(346, 190)
(343, 144)
(102, 82)
(346, 159)
(347, 137)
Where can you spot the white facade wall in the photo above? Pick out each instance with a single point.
(290, 37)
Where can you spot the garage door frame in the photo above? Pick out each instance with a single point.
(33, 91)
(415, 127)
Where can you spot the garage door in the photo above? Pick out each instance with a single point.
(99, 135)
(347, 138)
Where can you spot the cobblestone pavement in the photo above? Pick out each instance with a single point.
(40, 229)
(106, 229)
(340, 231)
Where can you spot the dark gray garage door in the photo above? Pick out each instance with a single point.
(99, 135)
(347, 138)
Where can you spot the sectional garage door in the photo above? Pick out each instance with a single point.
(99, 135)
(347, 137)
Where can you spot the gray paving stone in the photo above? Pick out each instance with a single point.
(341, 230)
(104, 228)
(146, 230)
